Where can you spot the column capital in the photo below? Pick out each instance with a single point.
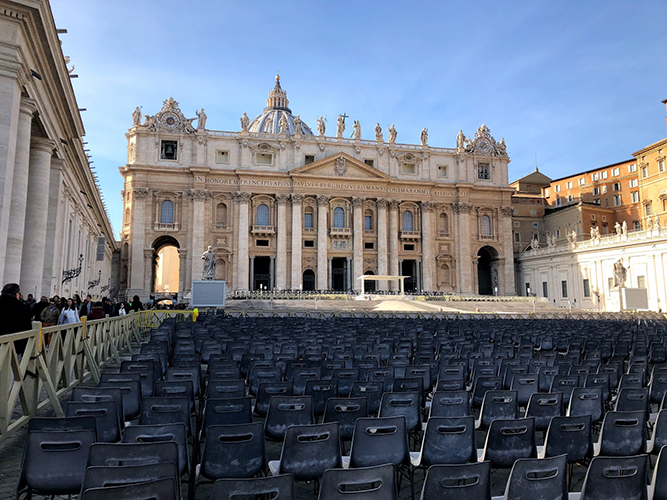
(281, 199)
(148, 253)
(297, 199)
(461, 207)
(357, 202)
(242, 197)
(57, 164)
(507, 211)
(393, 204)
(28, 106)
(322, 200)
(42, 144)
(200, 194)
(427, 206)
(141, 192)
(382, 202)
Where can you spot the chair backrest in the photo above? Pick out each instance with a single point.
(600, 380)
(659, 436)
(274, 487)
(570, 435)
(565, 384)
(321, 390)
(402, 403)
(378, 441)
(630, 399)
(616, 478)
(372, 391)
(533, 478)
(176, 433)
(176, 389)
(266, 391)
(450, 404)
(161, 489)
(106, 416)
(98, 394)
(106, 477)
(498, 404)
(284, 411)
(658, 386)
(243, 442)
(385, 375)
(225, 388)
(587, 401)
(130, 385)
(124, 454)
(260, 374)
(228, 411)
(57, 424)
(458, 482)
(525, 385)
(543, 407)
(345, 411)
(449, 440)
(623, 433)
(165, 410)
(309, 450)
(483, 384)
(63, 454)
(658, 490)
(509, 440)
(545, 377)
(365, 483)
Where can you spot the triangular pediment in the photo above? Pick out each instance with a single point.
(342, 166)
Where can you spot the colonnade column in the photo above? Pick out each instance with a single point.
(140, 194)
(382, 240)
(297, 227)
(323, 282)
(357, 243)
(281, 242)
(149, 255)
(393, 241)
(508, 287)
(242, 263)
(34, 238)
(182, 272)
(199, 197)
(52, 234)
(427, 246)
(19, 194)
(466, 264)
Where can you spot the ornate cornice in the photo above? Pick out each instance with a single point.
(394, 204)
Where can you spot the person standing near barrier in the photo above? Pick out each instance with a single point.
(69, 314)
(15, 315)
(136, 304)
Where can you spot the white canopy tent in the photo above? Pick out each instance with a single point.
(380, 277)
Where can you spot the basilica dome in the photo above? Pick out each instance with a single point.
(277, 107)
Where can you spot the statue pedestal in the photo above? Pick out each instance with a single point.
(208, 293)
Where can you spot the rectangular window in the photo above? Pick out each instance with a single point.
(559, 202)
(603, 175)
(644, 172)
(632, 168)
(557, 188)
(570, 198)
(368, 222)
(592, 216)
(637, 225)
(169, 150)
(635, 196)
(546, 193)
(634, 183)
(582, 181)
(545, 289)
(641, 281)
(616, 172)
(308, 221)
(369, 162)
(595, 176)
(308, 159)
(408, 168)
(517, 224)
(264, 159)
(262, 243)
(563, 289)
(408, 247)
(222, 156)
(604, 189)
(616, 186)
(484, 171)
(617, 200)
(610, 283)
(569, 185)
(369, 245)
(604, 218)
(517, 237)
(443, 171)
(596, 191)
(661, 166)
(587, 288)
(309, 243)
(648, 209)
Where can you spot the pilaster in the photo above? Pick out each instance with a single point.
(393, 241)
(198, 197)
(296, 241)
(323, 264)
(139, 221)
(358, 242)
(428, 263)
(382, 240)
(242, 199)
(281, 242)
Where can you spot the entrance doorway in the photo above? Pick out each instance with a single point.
(262, 273)
(339, 274)
(487, 270)
(409, 269)
(309, 280)
(165, 266)
(369, 285)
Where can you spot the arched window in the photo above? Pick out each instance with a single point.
(485, 225)
(443, 223)
(221, 215)
(339, 217)
(308, 218)
(368, 220)
(407, 221)
(262, 215)
(167, 212)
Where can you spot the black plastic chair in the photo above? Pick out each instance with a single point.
(372, 391)
(532, 478)
(565, 384)
(62, 454)
(225, 388)
(394, 404)
(273, 487)
(543, 407)
(266, 391)
(659, 437)
(127, 454)
(260, 374)
(166, 410)
(147, 372)
(99, 394)
(176, 389)
(616, 478)
(309, 450)
(163, 433)
(483, 384)
(632, 399)
(658, 489)
(130, 385)
(525, 385)
(321, 391)
(587, 401)
(458, 482)
(569, 435)
(497, 404)
(284, 411)
(345, 411)
(623, 434)
(106, 477)
(229, 411)
(447, 440)
(58, 424)
(161, 489)
(450, 404)
(509, 440)
(366, 483)
(106, 416)
(232, 451)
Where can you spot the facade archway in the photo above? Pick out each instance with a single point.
(369, 285)
(487, 270)
(308, 280)
(165, 269)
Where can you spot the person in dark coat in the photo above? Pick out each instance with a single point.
(39, 307)
(136, 304)
(16, 316)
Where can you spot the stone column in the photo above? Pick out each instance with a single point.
(51, 256)
(138, 238)
(19, 194)
(327, 273)
(199, 198)
(281, 240)
(348, 274)
(272, 273)
(297, 227)
(148, 270)
(428, 263)
(182, 273)
(382, 240)
(34, 238)
(465, 278)
(357, 242)
(242, 200)
(251, 272)
(323, 264)
(508, 287)
(393, 241)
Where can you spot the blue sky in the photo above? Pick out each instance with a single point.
(577, 83)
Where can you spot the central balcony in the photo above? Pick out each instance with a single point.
(263, 230)
(410, 235)
(340, 232)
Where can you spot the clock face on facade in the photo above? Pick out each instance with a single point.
(169, 120)
(484, 146)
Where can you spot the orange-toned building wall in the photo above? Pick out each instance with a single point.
(652, 170)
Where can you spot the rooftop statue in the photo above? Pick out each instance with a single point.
(392, 134)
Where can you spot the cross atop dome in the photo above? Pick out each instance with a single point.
(278, 98)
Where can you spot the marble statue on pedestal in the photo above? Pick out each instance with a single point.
(321, 126)
(201, 122)
(136, 116)
(392, 134)
(356, 130)
(210, 264)
(378, 133)
(340, 127)
(424, 137)
(620, 273)
(245, 121)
